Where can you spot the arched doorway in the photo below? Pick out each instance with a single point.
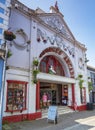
(55, 84)
(56, 93)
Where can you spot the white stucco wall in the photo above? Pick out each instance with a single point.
(21, 60)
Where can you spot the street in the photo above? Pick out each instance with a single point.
(84, 120)
(83, 124)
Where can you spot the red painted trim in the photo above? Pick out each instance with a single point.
(16, 81)
(79, 108)
(82, 107)
(60, 52)
(34, 116)
(18, 118)
(38, 96)
(73, 94)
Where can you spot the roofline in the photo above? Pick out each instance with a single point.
(90, 68)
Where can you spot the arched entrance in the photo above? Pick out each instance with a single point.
(55, 84)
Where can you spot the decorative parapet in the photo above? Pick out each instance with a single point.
(18, 5)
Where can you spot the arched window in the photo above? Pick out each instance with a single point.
(51, 61)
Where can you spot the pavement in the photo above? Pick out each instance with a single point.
(68, 121)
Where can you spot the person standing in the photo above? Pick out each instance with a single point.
(45, 98)
(49, 99)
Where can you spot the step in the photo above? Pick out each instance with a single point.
(61, 110)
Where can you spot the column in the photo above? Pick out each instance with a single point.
(73, 94)
(38, 96)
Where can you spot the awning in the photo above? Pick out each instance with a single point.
(44, 77)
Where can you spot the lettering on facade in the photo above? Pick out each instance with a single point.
(54, 40)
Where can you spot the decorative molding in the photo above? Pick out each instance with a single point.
(54, 39)
(22, 41)
(55, 23)
(20, 34)
(80, 63)
(65, 58)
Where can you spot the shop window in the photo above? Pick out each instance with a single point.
(1, 20)
(16, 96)
(0, 41)
(64, 95)
(0, 30)
(93, 97)
(49, 61)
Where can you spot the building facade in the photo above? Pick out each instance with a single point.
(2, 66)
(4, 17)
(91, 75)
(46, 59)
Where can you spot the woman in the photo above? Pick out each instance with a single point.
(44, 98)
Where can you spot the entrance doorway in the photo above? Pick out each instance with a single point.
(55, 94)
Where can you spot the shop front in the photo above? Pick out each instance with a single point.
(56, 94)
(55, 90)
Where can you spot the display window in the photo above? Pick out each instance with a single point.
(50, 64)
(65, 95)
(16, 96)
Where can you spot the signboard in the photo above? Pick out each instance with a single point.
(52, 113)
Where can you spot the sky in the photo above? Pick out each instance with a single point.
(80, 18)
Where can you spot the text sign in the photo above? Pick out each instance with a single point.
(52, 112)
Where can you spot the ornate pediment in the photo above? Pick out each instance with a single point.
(58, 24)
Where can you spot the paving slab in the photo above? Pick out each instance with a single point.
(65, 122)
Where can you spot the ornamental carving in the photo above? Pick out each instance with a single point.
(21, 41)
(56, 24)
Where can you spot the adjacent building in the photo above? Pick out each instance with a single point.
(91, 76)
(4, 17)
(46, 59)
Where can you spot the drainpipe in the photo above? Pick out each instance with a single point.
(29, 63)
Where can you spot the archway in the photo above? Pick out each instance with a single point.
(63, 68)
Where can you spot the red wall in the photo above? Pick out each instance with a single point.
(18, 118)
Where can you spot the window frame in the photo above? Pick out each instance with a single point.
(46, 60)
(1, 20)
(23, 97)
(3, 1)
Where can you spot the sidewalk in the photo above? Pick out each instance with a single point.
(64, 121)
